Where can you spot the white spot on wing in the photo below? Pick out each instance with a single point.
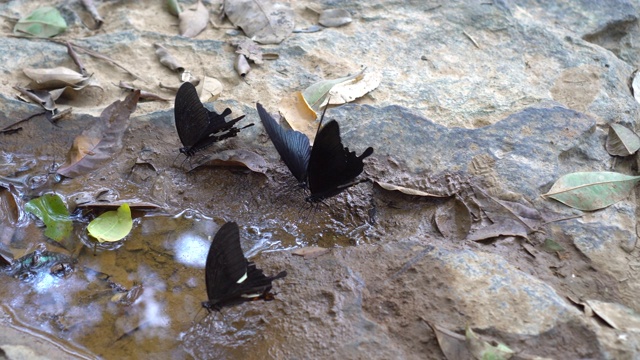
(242, 279)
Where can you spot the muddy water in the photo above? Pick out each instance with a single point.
(141, 297)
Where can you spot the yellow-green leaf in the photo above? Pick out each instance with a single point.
(112, 225)
(590, 191)
(42, 22)
(53, 212)
(317, 93)
(483, 350)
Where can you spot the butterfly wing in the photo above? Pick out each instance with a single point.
(332, 166)
(229, 277)
(293, 146)
(191, 117)
(226, 264)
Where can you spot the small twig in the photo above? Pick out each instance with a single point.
(76, 59)
(4, 129)
(472, 39)
(106, 58)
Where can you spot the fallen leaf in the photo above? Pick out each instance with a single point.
(9, 207)
(133, 205)
(452, 345)
(40, 97)
(97, 146)
(42, 22)
(249, 49)
(622, 141)
(316, 94)
(55, 78)
(241, 65)
(112, 225)
(144, 95)
(616, 315)
(483, 350)
(590, 191)
(211, 89)
(167, 59)
(193, 22)
(408, 191)
(505, 227)
(334, 17)
(295, 110)
(310, 252)
(235, 158)
(552, 246)
(310, 29)
(350, 90)
(174, 7)
(54, 214)
(453, 219)
(266, 21)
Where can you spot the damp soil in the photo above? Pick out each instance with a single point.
(140, 298)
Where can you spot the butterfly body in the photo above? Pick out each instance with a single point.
(198, 128)
(230, 278)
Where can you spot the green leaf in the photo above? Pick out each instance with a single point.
(552, 246)
(622, 141)
(42, 22)
(52, 211)
(317, 93)
(112, 225)
(484, 350)
(174, 7)
(590, 191)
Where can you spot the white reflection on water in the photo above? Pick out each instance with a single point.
(191, 249)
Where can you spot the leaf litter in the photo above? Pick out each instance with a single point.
(266, 22)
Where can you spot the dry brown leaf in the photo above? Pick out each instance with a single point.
(452, 345)
(211, 89)
(265, 21)
(91, 8)
(250, 50)
(193, 22)
(408, 191)
(504, 227)
(358, 87)
(295, 110)
(144, 95)
(622, 141)
(55, 78)
(453, 219)
(616, 315)
(235, 158)
(310, 252)
(167, 59)
(97, 146)
(40, 97)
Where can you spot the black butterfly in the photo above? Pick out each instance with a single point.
(232, 279)
(197, 125)
(327, 168)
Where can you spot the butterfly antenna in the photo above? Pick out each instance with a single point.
(322, 116)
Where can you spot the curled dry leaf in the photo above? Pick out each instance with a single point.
(211, 89)
(622, 141)
(167, 59)
(482, 349)
(40, 97)
(591, 191)
(310, 252)
(55, 78)
(235, 158)
(250, 50)
(42, 22)
(505, 227)
(334, 17)
(266, 21)
(241, 65)
(193, 22)
(97, 146)
(405, 190)
(452, 344)
(350, 90)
